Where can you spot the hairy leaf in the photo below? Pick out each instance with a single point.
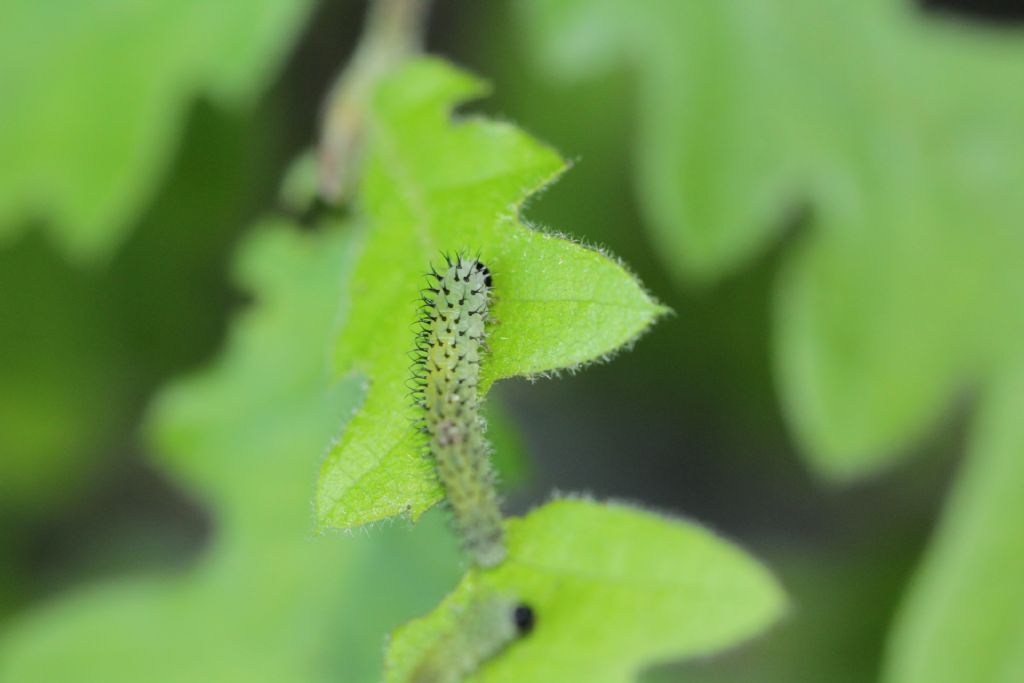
(94, 97)
(613, 589)
(433, 185)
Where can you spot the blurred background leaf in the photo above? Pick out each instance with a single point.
(292, 607)
(896, 132)
(964, 617)
(80, 345)
(898, 135)
(82, 349)
(95, 98)
(84, 346)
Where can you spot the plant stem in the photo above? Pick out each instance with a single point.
(392, 33)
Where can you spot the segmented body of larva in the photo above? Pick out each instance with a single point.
(450, 343)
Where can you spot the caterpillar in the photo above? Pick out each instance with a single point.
(485, 627)
(446, 369)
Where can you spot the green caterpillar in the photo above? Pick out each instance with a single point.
(446, 370)
(485, 628)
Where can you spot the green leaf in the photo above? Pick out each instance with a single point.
(265, 601)
(719, 104)
(95, 94)
(613, 589)
(433, 185)
(82, 348)
(899, 135)
(871, 344)
(964, 618)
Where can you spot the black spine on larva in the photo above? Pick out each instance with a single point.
(446, 369)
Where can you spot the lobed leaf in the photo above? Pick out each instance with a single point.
(432, 185)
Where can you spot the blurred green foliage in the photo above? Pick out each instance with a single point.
(899, 135)
(266, 602)
(964, 617)
(95, 98)
(81, 348)
(57, 357)
(840, 597)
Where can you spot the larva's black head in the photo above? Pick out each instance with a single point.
(481, 268)
(524, 618)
